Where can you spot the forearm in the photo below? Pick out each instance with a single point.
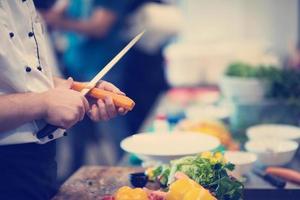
(83, 27)
(97, 25)
(18, 109)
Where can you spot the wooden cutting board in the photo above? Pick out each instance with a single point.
(94, 182)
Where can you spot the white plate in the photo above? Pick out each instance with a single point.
(163, 147)
(285, 132)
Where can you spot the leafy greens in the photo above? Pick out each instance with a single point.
(210, 173)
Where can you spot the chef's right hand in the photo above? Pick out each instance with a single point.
(64, 107)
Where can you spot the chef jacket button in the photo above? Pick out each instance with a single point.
(65, 134)
(30, 34)
(39, 68)
(50, 137)
(11, 34)
(28, 69)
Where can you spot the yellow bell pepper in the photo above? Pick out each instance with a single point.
(126, 193)
(187, 189)
(206, 154)
(149, 172)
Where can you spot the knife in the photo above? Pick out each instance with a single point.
(49, 129)
(285, 173)
(273, 180)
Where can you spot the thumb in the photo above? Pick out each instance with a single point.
(67, 84)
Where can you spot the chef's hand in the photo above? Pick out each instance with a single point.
(64, 107)
(105, 109)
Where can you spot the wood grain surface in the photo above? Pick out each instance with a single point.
(94, 182)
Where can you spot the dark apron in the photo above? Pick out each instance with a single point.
(28, 171)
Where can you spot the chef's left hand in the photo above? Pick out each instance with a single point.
(105, 109)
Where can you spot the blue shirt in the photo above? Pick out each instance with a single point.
(85, 55)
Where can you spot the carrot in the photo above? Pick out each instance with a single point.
(119, 100)
(287, 174)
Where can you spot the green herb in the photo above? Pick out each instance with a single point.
(211, 175)
(240, 69)
(284, 83)
(162, 173)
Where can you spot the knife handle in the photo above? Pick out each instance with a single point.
(285, 173)
(275, 181)
(47, 131)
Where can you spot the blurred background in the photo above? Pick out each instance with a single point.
(208, 65)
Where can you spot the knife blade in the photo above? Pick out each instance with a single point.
(111, 64)
(49, 129)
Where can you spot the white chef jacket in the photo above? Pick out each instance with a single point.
(23, 62)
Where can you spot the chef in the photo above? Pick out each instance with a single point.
(30, 97)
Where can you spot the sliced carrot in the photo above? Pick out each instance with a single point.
(119, 100)
(287, 174)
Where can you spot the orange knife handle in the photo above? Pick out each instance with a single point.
(119, 100)
(285, 173)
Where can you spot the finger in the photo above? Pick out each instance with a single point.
(109, 87)
(94, 113)
(122, 111)
(80, 111)
(121, 93)
(110, 107)
(86, 104)
(102, 110)
(69, 125)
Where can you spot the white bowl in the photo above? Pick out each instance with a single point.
(197, 112)
(285, 132)
(242, 160)
(164, 147)
(243, 90)
(273, 152)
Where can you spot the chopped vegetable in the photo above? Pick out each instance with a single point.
(207, 169)
(187, 189)
(150, 173)
(161, 174)
(126, 193)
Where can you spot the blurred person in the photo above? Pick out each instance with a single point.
(92, 32)
(30, 98)
(147, 81)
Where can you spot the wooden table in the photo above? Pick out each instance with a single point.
(94, 182)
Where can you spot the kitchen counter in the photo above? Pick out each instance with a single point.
(94, 182)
